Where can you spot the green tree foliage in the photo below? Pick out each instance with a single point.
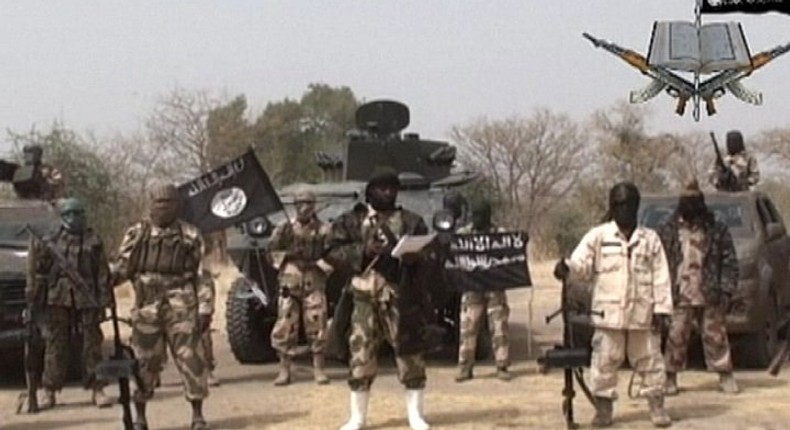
(84, 170)
(229, 132)
(290, 132)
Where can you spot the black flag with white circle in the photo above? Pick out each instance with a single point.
(230, 194)
(745, 6)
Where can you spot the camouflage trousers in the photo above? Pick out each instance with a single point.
(715, 344)
(473, 306)
(609, 349)
(373, 321)
(300, 308)
(169, 324)
(57, 338)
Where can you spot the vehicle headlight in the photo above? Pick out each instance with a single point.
(443, 221)
(259, 227)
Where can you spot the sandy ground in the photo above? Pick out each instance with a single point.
(247, 400)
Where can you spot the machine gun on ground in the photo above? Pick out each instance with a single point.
(570, 358)
(726, 179)
(34, 356)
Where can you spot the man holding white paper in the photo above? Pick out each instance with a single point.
(389, 301)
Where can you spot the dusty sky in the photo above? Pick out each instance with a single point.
(100, 65)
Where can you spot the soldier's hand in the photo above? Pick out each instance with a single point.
(374, 248)
(561, 270)
(204, 322)
(661, 322)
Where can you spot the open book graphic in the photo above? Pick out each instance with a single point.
(717, 46)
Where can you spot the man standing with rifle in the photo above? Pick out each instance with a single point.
(53, 262)
(631, 303)
(736, 171)
(161, 256)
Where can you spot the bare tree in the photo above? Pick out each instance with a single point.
(529, 162)
(775, 144)
(178, 133)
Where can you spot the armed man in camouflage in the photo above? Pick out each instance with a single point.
(161, 255)
(36, 179)
(66, 302)
(631, 290)
(704, 271)
(474, 304)
(301, 244)
(390, 303)
(740, 162)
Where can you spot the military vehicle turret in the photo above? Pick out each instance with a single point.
(426, 171)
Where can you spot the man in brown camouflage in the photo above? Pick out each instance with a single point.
(704, 271)
(389, 301)
(631, 302)
(209, 293)
(161, 255)
(742, 163)
(66, 302)
(300, 246)
(475, 304)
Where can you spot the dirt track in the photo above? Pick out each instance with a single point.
(247, 400)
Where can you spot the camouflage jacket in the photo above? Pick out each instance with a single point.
(84, 253)
(348, 239)
(743, 166)
(300, 244)
(720, 264)
(163, 261)
(630, 277)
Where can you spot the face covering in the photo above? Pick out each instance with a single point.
(72, 216)
(692, 208)
(624, 206)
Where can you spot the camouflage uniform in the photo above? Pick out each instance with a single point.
(704, 271)
(163, 264)
(743, 166)
(208, 293)
(302, 278)
(66, 303)
(630, 283)
(473, 305)
(390, 304)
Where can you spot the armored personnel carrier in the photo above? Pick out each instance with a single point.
(426, 173)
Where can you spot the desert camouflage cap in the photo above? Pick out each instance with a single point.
(304, 197)
(163, 191)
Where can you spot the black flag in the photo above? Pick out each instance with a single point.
(235, 192)
(745, 6)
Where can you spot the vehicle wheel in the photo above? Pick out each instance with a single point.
(757, 349)
(249, 327)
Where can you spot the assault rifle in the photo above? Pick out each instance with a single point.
(120, 367)
(662, 78)
(569, 357)
(715, 87)
(726, 179)
(34, 355)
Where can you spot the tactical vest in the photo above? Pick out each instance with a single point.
(170, 253)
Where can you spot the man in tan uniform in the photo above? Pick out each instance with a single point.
(161, 255)
(475, 304)
(631, 288)
(302, 277)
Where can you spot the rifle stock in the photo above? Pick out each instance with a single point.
(782, 355)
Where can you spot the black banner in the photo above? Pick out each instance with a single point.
(488, 262)
(745, 6)
(235, 192)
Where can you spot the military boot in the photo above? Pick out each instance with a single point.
(284, 377)
(464, 373)
(47, 400)
(213, 381)
(603, 412)
(671, 386)
(658, 416)
(503, 374)
(318, 370)
(727, 383)
(100, 399)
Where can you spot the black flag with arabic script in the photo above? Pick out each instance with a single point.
(488, 261)
(745, 6)
(232, 193)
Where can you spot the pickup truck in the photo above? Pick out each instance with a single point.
(763, 250)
